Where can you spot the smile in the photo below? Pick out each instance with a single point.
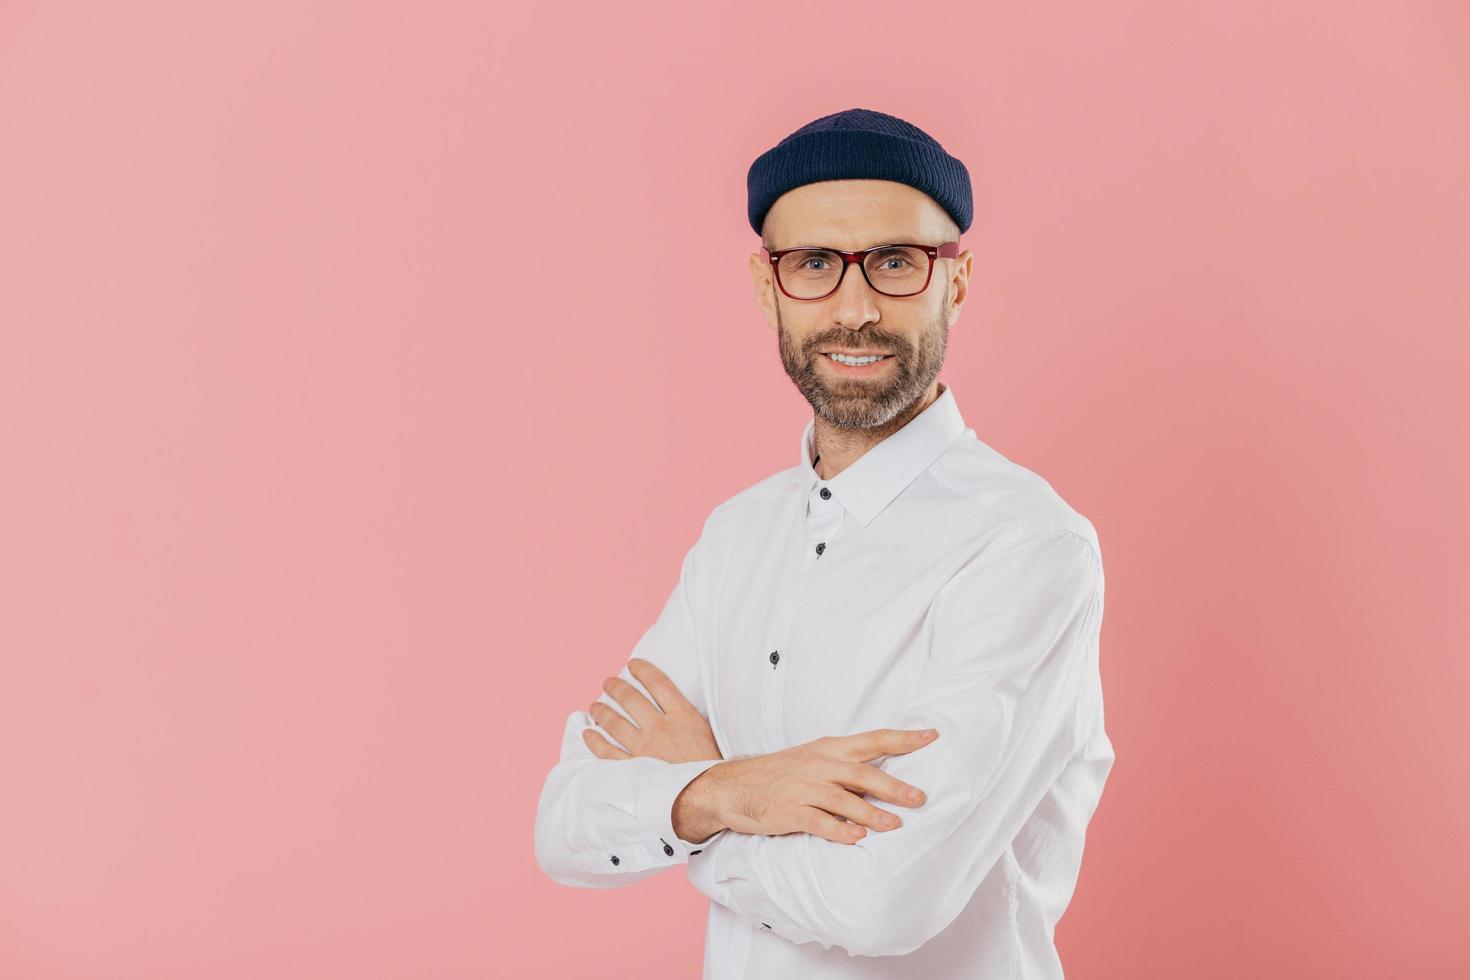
(855, 361)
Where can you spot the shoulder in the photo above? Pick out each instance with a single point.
(1000, 500)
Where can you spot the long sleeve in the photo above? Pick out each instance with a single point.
(1015, 635)
(602, 823)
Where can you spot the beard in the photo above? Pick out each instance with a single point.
(859, 402)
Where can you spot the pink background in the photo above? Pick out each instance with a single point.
(340, 458)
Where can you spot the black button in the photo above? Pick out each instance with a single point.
(826, 494)
(775, 657)
(821, 547)
(696, 851)
(615, 859)
(668, 849)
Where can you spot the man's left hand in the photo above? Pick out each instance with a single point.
(672, 730)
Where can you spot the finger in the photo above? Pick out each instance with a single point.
(639, 707)
(601, 747)
(666, 693)
(866, 746)
(820, 823)
(863, 778)
(840, 803)
(615, 724)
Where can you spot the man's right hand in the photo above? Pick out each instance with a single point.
(807, 788)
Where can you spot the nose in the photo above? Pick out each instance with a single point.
(854, 302)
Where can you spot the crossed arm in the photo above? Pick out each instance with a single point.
(603, 823)
(1015, 636)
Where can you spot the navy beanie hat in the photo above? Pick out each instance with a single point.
(859, 144)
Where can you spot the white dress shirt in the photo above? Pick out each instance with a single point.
(932, 583)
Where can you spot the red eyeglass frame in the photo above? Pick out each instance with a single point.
(948, 251)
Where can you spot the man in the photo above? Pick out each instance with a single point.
(902, 577)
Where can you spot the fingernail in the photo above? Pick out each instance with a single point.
(930, 733)
(915, 795)
(888, 820)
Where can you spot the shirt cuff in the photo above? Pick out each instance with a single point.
(656, 796)
(709, 871)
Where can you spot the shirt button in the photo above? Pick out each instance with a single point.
(826, 494)
(615, 859)
(669, 850)
(696, 851)
(775, 656)
(821, 547)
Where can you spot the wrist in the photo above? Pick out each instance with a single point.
(697, 813)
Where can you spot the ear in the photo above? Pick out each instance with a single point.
(764, 280)
(959, 283)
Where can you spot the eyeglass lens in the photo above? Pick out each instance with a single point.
(899, 270)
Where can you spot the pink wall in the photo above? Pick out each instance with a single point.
(339, 459)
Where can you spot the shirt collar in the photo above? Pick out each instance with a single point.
(881, 473)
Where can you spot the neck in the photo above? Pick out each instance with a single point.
(838, 448)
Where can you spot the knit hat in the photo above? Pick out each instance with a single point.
(859, 144)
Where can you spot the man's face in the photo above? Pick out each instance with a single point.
(912, 330)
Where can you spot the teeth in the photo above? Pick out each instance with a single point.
(844, 359)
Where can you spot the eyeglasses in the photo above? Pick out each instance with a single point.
(893, 270)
